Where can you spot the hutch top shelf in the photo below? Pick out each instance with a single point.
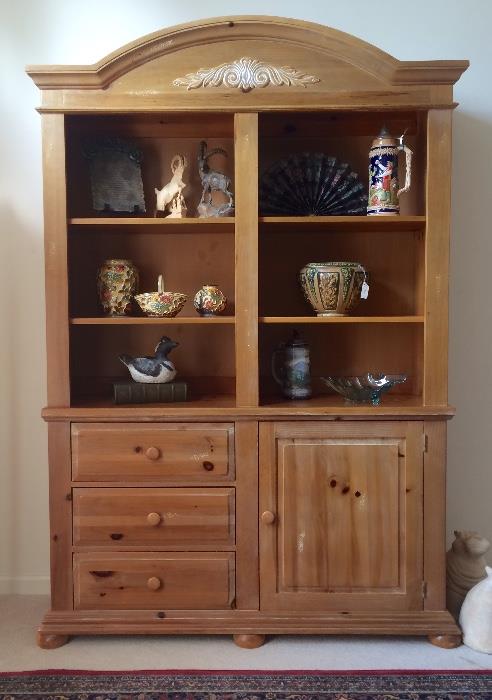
(259, 87)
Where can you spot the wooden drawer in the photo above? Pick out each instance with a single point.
(134, 452)
(151, 517)
(174, 580)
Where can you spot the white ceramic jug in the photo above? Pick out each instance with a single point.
(476, 615)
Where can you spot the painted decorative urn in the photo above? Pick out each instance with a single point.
(291, 368)
(333, 288)
(384, 187)
(209, 300)
(117, 282)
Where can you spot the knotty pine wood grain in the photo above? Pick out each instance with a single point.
(114, 517)
(341, 573)
(185, 580)
(196, 452)
(438, 198)
(60, 500)
(55, 251)
(246, 202)
(434, 506)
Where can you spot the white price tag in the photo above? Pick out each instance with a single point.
(364, 291)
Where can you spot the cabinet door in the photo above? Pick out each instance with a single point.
(341, 516)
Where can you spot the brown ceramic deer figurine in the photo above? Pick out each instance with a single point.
(465, 567)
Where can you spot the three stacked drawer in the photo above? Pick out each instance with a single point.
(153, 515)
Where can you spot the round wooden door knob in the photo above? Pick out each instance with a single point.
(268, 517)
(152, 453)
(154, 583)
(154, 519)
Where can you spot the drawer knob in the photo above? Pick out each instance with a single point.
(154, 583)
(268, 517)
(152, 453)
(208, 466)
(154, 519)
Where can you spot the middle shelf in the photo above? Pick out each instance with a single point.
(198, 320)
(146, 321)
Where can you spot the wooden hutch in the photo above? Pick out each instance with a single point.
(316, 517)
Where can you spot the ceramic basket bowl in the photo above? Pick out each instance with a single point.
(332, 288)
(161, 304)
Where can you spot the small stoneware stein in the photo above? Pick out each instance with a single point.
(291, 368)
(209, 300)
(384, 187)
(117, 282)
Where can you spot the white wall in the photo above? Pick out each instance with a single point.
(57, 31)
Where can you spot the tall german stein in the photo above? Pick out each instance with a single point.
(291, 368)
(384, 187)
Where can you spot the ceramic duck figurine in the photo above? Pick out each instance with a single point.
(153, 370)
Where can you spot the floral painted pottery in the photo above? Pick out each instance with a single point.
(161, 304)
(368, 388)
(332, 288)
(291, 368)
(117, 282)
(209, 300)
(384, 188)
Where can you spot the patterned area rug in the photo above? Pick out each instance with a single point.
(246, 685)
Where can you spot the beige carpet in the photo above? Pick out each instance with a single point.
(19, 616)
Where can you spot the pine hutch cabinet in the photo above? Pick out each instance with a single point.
(240, 512)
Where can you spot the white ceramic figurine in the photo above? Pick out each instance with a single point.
(476, 615)
(170, 199)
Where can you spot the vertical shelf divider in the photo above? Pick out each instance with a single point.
(55, 221)
(438, 204)
(246, 257)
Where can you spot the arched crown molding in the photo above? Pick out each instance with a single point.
(324, 40)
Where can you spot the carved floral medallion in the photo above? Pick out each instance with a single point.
(245, 74)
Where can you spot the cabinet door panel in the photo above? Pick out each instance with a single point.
(347, 505)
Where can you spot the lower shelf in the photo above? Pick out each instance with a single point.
(323, 406)
(222, 401)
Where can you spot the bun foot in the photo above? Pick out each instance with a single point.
(51, 641)
(445, 641)
(249, 641)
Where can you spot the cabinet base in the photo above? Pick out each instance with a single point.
(249, 641)
(247, 627)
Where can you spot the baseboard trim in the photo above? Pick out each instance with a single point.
(25, 585)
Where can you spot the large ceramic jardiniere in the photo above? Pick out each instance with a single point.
(117, 282)
(332, 288)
